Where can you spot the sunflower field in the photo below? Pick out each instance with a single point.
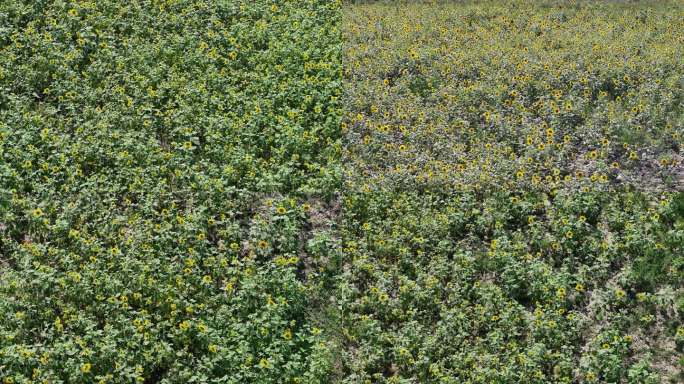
(315, 191)
(159, 165)
(510, 212)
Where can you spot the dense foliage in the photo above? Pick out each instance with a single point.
(259, 191)
(506, 215)
(159, 164)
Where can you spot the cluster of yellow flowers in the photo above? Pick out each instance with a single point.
(479, 95)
